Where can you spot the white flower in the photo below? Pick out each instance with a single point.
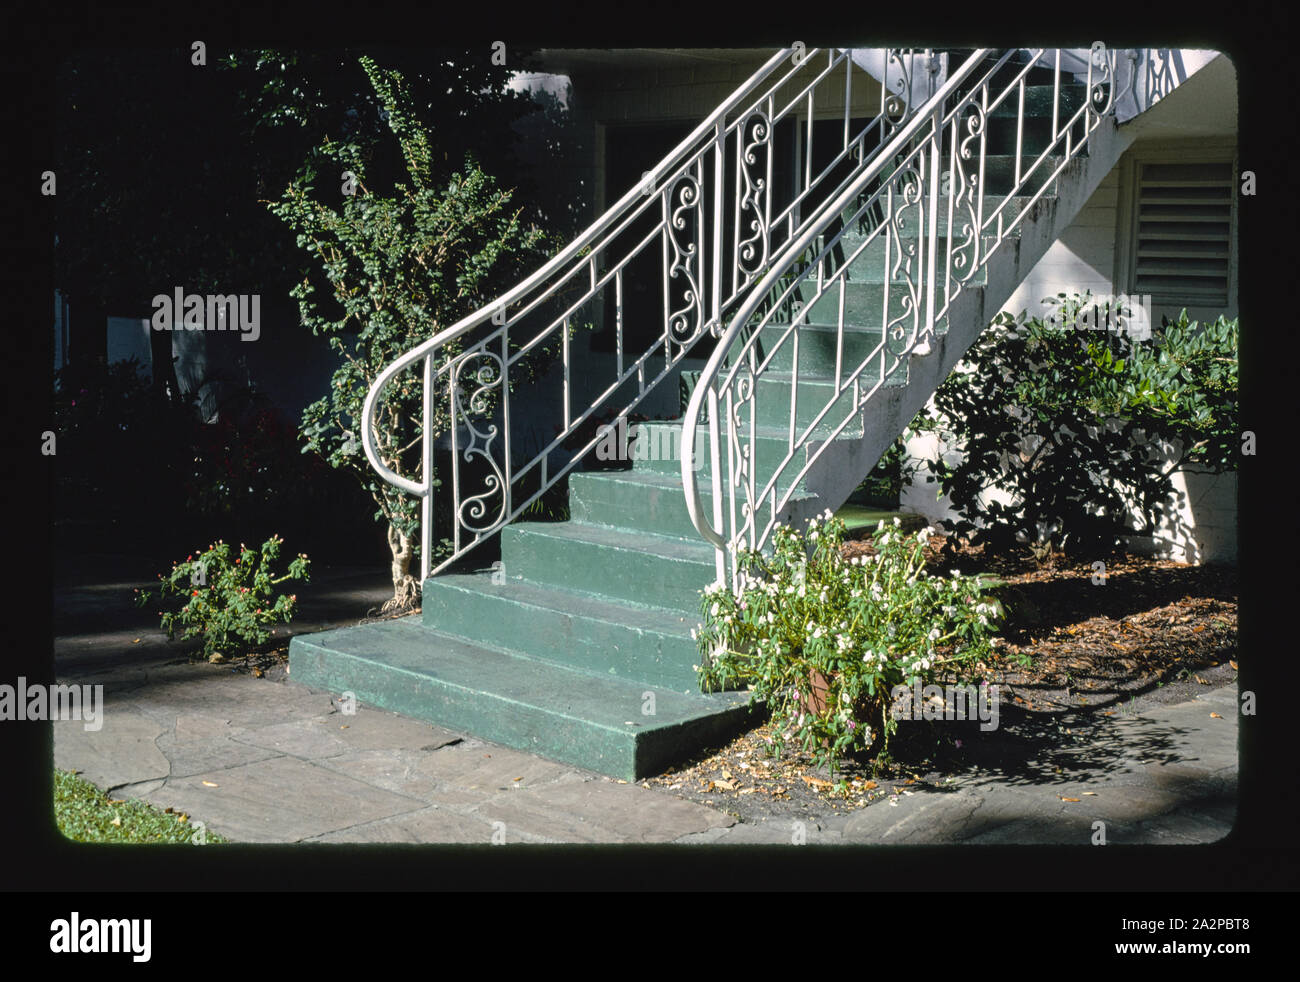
(897, 521)
(713, 611)
(934, 634)
(827, 515)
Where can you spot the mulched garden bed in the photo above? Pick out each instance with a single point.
(1153, 632)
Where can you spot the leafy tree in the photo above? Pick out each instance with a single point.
(395, 269)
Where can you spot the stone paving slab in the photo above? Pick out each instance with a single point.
(429, 826)
(601, 811)
(278, 800)
(289, 765)
(123, 751)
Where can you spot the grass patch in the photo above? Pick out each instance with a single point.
(86, 814)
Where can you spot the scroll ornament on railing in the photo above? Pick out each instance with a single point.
(1101, 78)
(739, 448)
(752, 251)
(908, 196)
(898, 105)
(965, 255)
(481, 372)
(683, 199)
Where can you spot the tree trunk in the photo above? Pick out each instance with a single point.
(406, 590)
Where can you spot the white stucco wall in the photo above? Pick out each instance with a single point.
(1083, 258)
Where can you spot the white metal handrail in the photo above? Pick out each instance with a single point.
(467, 370)
(902, 183)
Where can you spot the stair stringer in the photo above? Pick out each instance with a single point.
(838, 472)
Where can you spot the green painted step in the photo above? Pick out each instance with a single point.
(643, 501)
(636, 567)
(818, 346)
(1038, 101)
(814, 393)
(869, 265)
(770, 443)
(594, 634)
(854, 235)
(579, 718)
(1004, 76)
(818, 341)
(999, 171)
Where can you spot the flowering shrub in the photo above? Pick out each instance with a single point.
(823, 640)
(228, 603)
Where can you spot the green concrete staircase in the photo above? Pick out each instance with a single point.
(578, 645)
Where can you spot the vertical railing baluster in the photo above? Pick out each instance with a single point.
(952, 207)
(932, 232)
(455, 456)
(505, 420)
(848, 96)
(715, 466)
(839, 336)
(664, 235)
(618, 323)
(1020, 133)
(568, 368)
(719, 184)
(794, 387)
(979, 205)
(735, 210)
(808, 150)
(426, 504)
(1056, 98)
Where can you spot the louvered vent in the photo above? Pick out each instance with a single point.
(1184, 232)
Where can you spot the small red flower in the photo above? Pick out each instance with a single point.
(195, 593)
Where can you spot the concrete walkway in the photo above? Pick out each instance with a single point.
(274, 761)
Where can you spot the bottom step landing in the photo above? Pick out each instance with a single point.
(596, 722)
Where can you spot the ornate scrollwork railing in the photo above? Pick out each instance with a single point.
(935, 161)
(680, 211)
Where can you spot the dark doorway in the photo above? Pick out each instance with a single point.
(631, 150)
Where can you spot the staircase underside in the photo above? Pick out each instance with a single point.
(578, 646)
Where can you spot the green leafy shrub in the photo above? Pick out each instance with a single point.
(1074, 426)
(823, 640)
(389, 271)
(230, 604)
